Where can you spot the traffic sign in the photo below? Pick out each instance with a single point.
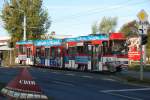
(143, 16)
(142, 29)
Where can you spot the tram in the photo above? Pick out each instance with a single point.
(100, 52)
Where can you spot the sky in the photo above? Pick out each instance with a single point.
(75, 17)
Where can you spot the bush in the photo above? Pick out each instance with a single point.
(6, 58)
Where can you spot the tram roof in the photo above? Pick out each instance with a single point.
(88, 38)
(117, 36)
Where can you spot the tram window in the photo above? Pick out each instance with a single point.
(105, 47)
(105, 43)
(118, 47)
(42, 52)
(86, 49)
(38, 52)
(58, 52)
(47, 52)
(80, 50)
(22, 49)
(28, 52)
(52, 52)
(72, 50)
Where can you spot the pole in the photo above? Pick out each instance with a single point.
(24, 27)
(144, 54)
(141, 56)
(24, 30)
(10, 58)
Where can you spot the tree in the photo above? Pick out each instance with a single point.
(148, 44)
(37, 18)
(94, 28)
(107, 24)
(130, 29)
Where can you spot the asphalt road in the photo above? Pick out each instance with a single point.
(70, 85)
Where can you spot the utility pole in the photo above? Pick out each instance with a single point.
(141, 55)
(24, 27)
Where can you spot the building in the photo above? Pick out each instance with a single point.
(3, 47)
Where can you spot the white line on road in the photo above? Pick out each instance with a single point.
(126, 90)
(62, 83)
(114, 92)
(55, 72)
(70, 74)
(108, 79)
(87, 76)
(124, 96)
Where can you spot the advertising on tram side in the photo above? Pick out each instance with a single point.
(81, 59)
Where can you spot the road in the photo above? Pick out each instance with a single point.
(71, 85)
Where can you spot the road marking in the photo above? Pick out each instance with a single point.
(43, 70)
(124, 96)
(55, 72)
(62, 83)
(70, 74)
(87, 76)
(125, 90)
(108, 79)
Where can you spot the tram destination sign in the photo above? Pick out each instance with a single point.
(54, 42)
(24, 42)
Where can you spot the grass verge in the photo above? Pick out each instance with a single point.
(137, 81)
(137, 68)
(133, 80)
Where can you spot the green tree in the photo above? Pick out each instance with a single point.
(94, 28)
(148, 44)
(37, 18)
(130, 28)
(107, 24)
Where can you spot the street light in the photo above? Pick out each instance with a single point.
(24, 23)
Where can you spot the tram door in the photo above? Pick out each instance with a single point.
(95, 57)
(56, 55)
(37, 56)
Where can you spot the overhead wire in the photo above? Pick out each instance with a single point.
(93, 11)
(77, 23)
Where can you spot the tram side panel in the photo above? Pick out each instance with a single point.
(69, 55)
(50, 57)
